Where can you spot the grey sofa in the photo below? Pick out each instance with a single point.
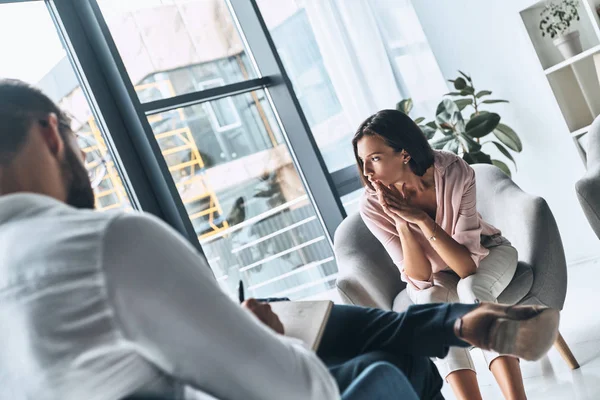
(368, 277)
(588, 187)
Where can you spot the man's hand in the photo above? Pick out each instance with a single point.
(263, 312)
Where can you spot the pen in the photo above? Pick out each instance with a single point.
(241, 291)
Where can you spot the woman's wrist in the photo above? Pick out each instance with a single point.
(402, 226)
(426, 223)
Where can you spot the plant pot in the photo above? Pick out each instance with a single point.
(569, 45)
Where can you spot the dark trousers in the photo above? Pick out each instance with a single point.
(357, 337)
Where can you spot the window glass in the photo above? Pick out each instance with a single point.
(173, 47)
(46, 66)
(245, 198)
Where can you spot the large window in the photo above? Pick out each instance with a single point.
(227, 156)
(34, 54)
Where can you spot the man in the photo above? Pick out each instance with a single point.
(104, 305)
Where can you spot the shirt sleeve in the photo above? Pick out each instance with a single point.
(168, 304)
(467, 230)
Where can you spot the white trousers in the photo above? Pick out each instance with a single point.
(493, 276)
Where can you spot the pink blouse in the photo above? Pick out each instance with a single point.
(456, 214)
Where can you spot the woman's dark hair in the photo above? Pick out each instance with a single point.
(399, 132)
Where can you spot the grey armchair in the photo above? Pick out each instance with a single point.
(368, 277)
(588, 187)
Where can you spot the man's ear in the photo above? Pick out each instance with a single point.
(51, 135)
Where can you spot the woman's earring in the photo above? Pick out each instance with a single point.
(406, 162)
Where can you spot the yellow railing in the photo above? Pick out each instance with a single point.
(185, 164)
(110, 193)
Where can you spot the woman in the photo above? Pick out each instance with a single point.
(421, 205)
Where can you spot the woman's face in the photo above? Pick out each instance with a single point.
(381, 162)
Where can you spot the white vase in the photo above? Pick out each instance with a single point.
(569, 45)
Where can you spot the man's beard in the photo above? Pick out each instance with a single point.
(79, 189)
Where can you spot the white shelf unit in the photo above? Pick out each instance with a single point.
(572, 60)
(580, 132)
(574, 81)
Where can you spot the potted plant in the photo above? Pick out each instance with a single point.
(452, 131)
(556, 22)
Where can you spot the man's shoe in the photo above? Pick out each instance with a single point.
(526, 332)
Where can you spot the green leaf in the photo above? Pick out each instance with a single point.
(445, 112)
(494, 101)
(469, 158)
(431, 124)
(482, 125)
(482, 93)
(460, 84)
(452, 94)
(428, 131)
(477, 157)
(439, 144)
(419, 120)
(449, 118)
(452, 146)
(465, 75)
(467, 91)
(469, 143)
(504, 151)
(462, 103)
(405, 106)
(507, 136)
(502, 166)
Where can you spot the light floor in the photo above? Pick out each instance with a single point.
(550, 378)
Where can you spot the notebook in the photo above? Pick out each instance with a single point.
(304, 320)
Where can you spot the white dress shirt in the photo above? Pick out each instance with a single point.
(97, 306)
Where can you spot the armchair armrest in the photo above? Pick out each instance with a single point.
(367, 275)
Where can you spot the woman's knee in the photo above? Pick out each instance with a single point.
(471, 291)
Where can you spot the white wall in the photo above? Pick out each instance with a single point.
(488, 40)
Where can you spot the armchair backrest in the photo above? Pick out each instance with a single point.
(528, 223)
(588, 187)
